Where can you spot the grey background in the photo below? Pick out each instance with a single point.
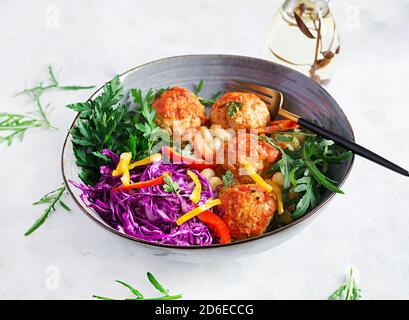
(69, 257)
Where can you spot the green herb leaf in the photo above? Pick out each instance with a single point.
(15, 126)
(52, 198)
(228, 179)
(199, 87)
(232, 107)
(37, 91)
(139, 296)
(349, 290)
(107, 123)
(156, 284)
(170, 185)
(132, 289)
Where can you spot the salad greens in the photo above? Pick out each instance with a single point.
(16, 125)
(349, 290)
(106, 122)
(232, 107)
(139, 296)
(53, 199)
(228, 179)
(304, 170)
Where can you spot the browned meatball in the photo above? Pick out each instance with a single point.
(248, 148)
(239, 110)
(247, 210)
(179, 109)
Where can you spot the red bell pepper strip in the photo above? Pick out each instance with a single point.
(143, 184)
(279, 125)
(176, 157)
(217, 225)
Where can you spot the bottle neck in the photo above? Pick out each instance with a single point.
(319, 8)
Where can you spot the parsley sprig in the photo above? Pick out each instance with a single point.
(108, 123)
(233, 107)
(349, 290)
(228, 179)
(139, 296)
(53, 199)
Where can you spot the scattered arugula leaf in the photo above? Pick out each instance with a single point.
(52, 199)
(228, 179)
(37, 91)
(139, 296)
(232, 107)
(349, 290)
(170, 185)
(16, 125)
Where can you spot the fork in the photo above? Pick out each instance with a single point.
(274, 100)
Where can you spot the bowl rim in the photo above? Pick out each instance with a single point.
(217, 245)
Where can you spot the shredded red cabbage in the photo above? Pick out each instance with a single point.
(149, 213)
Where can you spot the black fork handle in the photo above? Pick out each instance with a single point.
(352, 146)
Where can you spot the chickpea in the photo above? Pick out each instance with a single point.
(206, 134)
(215, 181)
(222, 134)
(208, 173)
(278, 179)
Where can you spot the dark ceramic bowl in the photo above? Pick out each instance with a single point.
(302, 96)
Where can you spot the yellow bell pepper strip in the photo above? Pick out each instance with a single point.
(279, 194)
(153, 158)
(210, 203)
(257, 179)
(195, 195)
(123, 168)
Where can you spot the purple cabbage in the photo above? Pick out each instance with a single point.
(149, 213)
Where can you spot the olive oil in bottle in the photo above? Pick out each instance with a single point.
(303, 36)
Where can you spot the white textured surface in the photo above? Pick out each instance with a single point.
(367, 228)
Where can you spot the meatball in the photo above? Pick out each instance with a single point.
(248, 148)
(178, 109)
(247, 210)
(240, 110)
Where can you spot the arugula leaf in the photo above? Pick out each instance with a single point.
(139, 296)
(15, 126)
(156, 284)
(170, 185)
(37, 91)
(228, 179)
(52, 198)
(349, 290)
(199, 87)
(305, 169)
(232, 107)
(205, 101)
